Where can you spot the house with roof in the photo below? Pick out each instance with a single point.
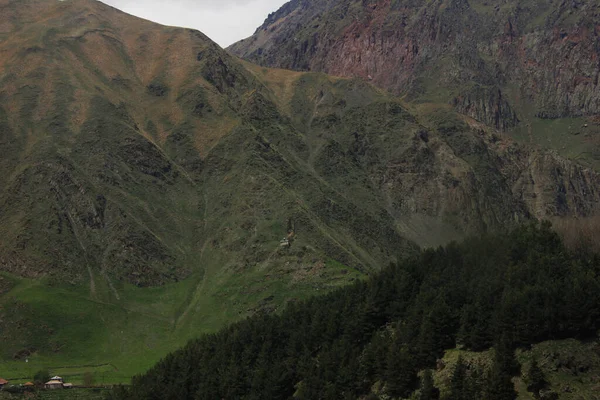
(56, 382)
(53, 384)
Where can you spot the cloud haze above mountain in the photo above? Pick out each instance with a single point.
(224, 21)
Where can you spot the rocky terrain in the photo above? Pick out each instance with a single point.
(497, 62)
(140, 156)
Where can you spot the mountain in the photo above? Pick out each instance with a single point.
(154, 187)
(517, 66)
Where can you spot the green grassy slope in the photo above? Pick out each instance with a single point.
(56, 326)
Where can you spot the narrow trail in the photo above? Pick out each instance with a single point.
(105, 274)
(92, 282)
(194, 298)
(202, 283)
(87, 264)
(205, 215)
(110, 285)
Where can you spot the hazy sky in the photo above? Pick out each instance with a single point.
(224, 21)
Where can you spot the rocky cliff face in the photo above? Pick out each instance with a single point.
(488, 106)
(541, 53)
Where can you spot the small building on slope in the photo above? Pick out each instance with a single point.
(53, 384)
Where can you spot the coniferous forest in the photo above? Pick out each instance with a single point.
(501, 292)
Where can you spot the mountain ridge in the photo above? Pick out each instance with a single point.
(484, 58)
(156, 185)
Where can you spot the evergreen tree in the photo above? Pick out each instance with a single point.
(474, 386)
(504, 354)
(536, 380)
(401, 375)
(473, 332)
(427, 347)
(458, 381)
(41, 377)
(428, 390)
(499, 385)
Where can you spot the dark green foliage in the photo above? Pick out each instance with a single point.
(474, 326)
(466, 382)
(536, 380)
(41, 377)
(499, 385)
(458, 383)
(428, 390)
(475, 384)
(118, 392)
(401, 373)
(13, 389)
(399, 322)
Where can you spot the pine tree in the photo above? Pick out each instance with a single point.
(473, 331)
(499, 385)
(401, 375)
(426, 346)
(504, 354)
(474, 385)
(535, 379)
(428, 390)
(458, 381)
(499, 379)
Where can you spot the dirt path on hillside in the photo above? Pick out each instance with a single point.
(197, 292)
(87, 264)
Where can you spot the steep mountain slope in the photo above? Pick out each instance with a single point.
(115, 127)
(148, 177)
(498, 62)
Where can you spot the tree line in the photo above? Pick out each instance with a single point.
(385, 334)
